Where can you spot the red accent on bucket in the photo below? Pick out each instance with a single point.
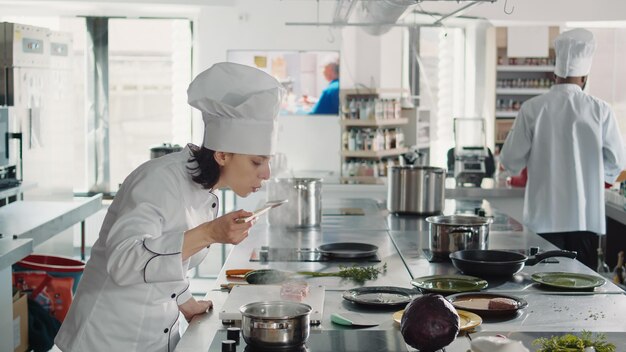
(52, 263)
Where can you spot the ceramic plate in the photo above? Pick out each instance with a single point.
(478, 302)
(468, 320)
(381, 296)
(449, 283)
(570, 281)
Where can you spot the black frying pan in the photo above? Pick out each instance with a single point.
(498, 263)
(348, 250)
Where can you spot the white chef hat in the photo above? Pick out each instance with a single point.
(239, 107)
(574, 51)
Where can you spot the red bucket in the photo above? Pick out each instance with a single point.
(56, 266)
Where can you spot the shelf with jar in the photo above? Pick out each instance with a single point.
(372, 123)
(519, 79)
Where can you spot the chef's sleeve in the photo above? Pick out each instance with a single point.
(516, 148)
(137, 249)
(613, 152)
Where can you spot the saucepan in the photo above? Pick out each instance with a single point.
(489, 262)
(450, 233)
(275, 324)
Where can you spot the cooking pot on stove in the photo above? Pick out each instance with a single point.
(416, 189)
(451, 233)
(164, 149)
(304, 206)
(275, 324)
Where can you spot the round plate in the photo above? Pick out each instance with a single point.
(380, 296)
(467, 320)
(570, 281)
(449, 283)
(458, 300)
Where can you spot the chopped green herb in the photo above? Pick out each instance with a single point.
(356, 273)
(573, 343)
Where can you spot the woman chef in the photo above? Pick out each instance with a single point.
(164, 217)
(571, 143)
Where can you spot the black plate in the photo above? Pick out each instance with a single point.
(348, 249)
(486, 313)
(380, 296)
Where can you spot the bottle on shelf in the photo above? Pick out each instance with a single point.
(352, 140)
(354, 109)
(378, 110)
(618, 272)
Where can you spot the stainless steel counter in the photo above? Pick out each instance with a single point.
(401, 243)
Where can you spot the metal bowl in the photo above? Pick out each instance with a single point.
(275, 324)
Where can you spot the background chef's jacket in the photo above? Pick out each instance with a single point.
(571, 144)
(128, 297)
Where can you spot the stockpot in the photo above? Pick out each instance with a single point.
(451, 233)
(304, 206)
(275, 324)
(416, 189)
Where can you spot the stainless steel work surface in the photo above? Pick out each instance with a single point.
(41, 220)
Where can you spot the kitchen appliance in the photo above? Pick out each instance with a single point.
(499, 263)
(450, 233)
(362, 253)
(275, 324)
(304, 206)
(244, 294)
(164, 149)
(35, 88)
(470, 151)
(416, 189)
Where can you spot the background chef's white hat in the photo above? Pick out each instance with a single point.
(574, 51)
(239, 107)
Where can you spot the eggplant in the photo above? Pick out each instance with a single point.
(429, 323)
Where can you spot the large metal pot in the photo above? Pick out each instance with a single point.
(416, 189)
(451, 233)
(304, 208)
(164, 149)
(275, 324)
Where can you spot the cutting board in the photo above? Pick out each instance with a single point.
(245, 294)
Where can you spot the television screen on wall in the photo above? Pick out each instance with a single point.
(306, 75)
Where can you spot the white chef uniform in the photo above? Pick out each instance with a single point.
(129, 294)
(571, 144)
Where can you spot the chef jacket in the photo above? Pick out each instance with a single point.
(128, 297)
(571, 144)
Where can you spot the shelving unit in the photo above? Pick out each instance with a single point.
(365, 161)
(517, 80)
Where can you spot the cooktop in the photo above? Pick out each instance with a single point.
(332, 340)
(272, 254)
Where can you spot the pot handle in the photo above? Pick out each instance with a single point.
(271, 326)
(549, 254)
(460, 230)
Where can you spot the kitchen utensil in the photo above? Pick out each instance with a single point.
(275, 324)
(477, 302)
(243, 294)
(415, 189)
(380, 296)
(305, 202)
(499, 263)
(266, 276)
(467, 320)
(351, 319)
(569, 281)
(239, 273)
(264, 209)
(450, 233)
(348, 250)
(448, 284)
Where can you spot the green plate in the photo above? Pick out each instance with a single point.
(449, 283)
(570, 281)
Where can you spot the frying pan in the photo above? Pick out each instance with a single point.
(347, 250)
(487, 262)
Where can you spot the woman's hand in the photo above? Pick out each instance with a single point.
(225, 228)
(191, 308)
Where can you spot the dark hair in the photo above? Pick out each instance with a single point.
(207, 173)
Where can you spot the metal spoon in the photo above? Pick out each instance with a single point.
(264, 209)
